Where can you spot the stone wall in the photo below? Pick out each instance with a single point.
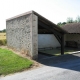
(22, 34)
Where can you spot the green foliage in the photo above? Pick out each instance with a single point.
(3, 42)
(11, 63)
(64, 23)
(78, 19)
(75, 21)
(4, 30)
(61, 24)
(70, 20)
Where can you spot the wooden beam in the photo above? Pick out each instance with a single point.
(58, 38)
(62, 45)
(56, 34)
(49, 28)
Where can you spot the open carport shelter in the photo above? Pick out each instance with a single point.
(23, 33)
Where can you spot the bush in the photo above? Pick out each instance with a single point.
(3, 42)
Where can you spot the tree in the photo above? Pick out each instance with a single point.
(59, 24)
(75, 21)
(78, 19)
(4, 30)
(63, 23)
(70, 20)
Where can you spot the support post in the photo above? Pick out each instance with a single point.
(62, 45)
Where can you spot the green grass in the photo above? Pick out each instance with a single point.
(11, 63)
(3, 42)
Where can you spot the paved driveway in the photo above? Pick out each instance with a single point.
(55, 68)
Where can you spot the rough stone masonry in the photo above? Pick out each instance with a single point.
(22, 34)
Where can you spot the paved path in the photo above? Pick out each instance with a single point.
(54, 69)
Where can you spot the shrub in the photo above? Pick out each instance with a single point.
(3, 42)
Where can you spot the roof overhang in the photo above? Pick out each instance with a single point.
(43, 20)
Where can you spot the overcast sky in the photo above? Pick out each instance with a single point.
(54, 10)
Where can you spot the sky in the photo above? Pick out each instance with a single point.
(54, 10)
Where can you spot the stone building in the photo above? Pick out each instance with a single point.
(29, 31)
(73, 36)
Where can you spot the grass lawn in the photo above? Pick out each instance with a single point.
(3, 39)
(2, 36)
(57, 52)
(11, 63)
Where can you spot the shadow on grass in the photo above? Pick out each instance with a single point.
(69, 61)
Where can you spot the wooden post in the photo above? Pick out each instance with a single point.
(62, 44)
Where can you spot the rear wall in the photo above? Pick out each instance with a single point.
(47, 40)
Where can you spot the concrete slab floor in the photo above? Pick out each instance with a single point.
(57, 51)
